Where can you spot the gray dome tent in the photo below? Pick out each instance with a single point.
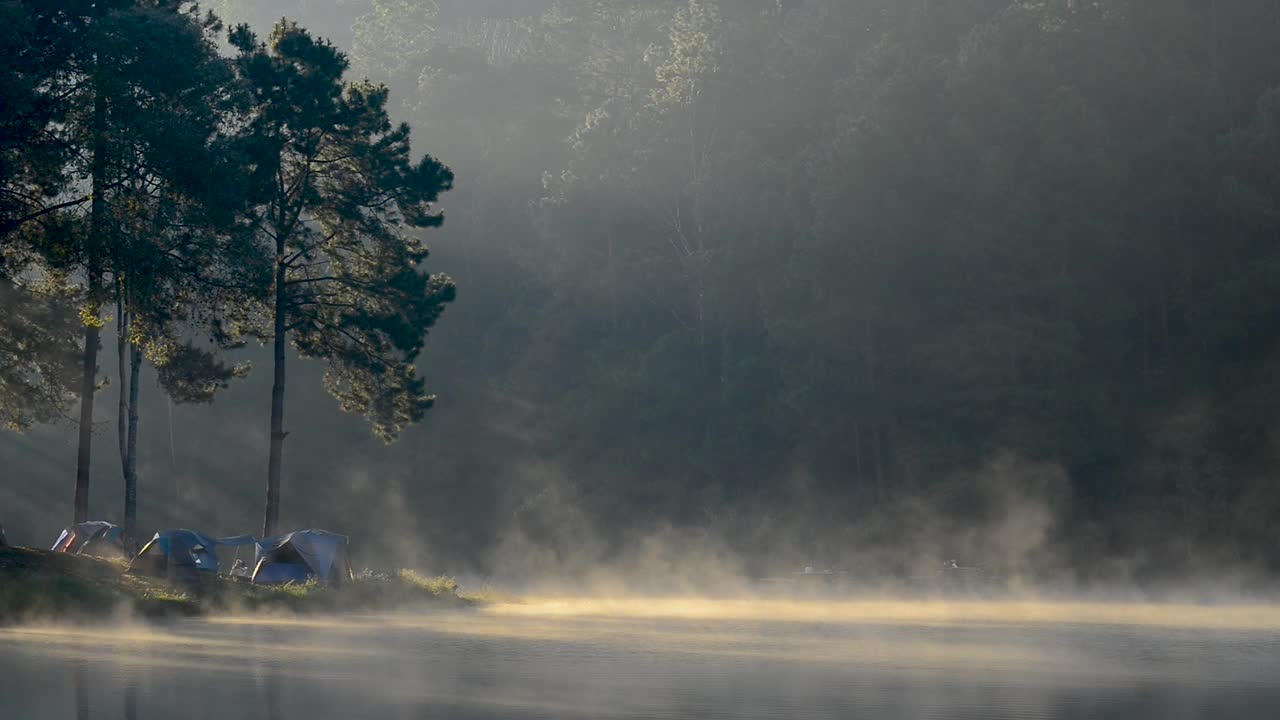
(302, 555)
(95, 537)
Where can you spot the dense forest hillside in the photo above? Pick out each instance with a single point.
(865, 283)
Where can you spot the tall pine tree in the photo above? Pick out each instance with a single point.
(339, 191)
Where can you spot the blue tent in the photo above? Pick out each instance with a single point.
(300, 556)
(183, 549)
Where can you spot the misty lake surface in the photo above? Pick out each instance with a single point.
(561, 660)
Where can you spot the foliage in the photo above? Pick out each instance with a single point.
(392, 39)
(342, 194)
(38, 354)
(139, 165)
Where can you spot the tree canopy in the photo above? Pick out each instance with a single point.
(145, 167)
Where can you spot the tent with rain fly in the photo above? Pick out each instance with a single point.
(301, 556)
(183, 550)
(95, 537)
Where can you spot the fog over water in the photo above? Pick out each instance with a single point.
(880, 359)
(656, 658)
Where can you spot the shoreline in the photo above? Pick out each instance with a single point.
(41, 586)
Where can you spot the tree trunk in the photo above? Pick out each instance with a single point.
(1146, 339)
(1167, 292)
(1166, 341)
(173, 453)
(84, 452)
(857, 453)
(702, 318)
(122, 362)
(879, 459)
(131, 467)
(93, 272)
(124, 409)
(275, 460)
(613, 286)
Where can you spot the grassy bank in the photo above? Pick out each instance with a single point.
(40, 585)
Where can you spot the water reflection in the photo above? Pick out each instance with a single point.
(78, 671)
(502, 665)
(131, 700)
(272, 689)
(84, 702)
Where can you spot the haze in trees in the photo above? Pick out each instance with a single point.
(818, 280)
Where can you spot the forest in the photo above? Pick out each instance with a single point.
(752, 283)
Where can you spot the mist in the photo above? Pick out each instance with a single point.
(748, 287)
(558, 658)
(772, 359)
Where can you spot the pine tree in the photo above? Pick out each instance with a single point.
(126, 100)
(339, 191)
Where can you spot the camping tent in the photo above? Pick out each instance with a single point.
(302, 555)
(183, 550)
(92, 538)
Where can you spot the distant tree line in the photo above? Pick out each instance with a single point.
(824, 259)
(192, 201)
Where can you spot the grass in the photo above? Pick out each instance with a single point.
(54, 595)
(37, 584)
(369, 591)
(487, 595)
(164, 595)
(297, 591)
(439, 586)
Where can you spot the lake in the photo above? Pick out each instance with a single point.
(653, 658)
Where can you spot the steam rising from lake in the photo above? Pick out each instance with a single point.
(616, 657)
(900, 612)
